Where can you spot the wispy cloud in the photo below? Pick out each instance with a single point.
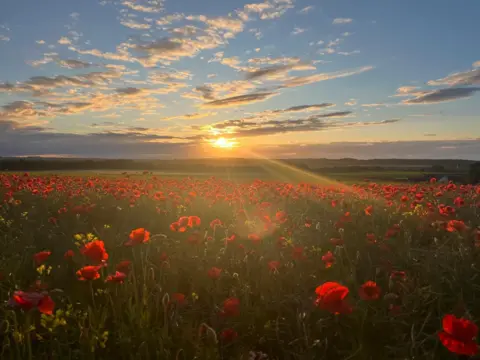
(442, 95)
(190, 116)
(240, 100)
(306, 9)
(305, 80)
(298, 31)
(338, 21)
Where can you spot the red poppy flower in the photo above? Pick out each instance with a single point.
(89, 272)
(281, 217)
(254, 238)
(30, 300)
(118, 277)
(194, 221)
(175, 226)
(433, 181)
(182, 223)
(273, 265)
(138, 236)
(308, 222)
(178, 298)
(459, 335)
(456, 225)
(95, 251)
(328, 259)
(68, 255)
(369, 291)
(230, 239)
(41, 257)
(215, 223)
(46, 305)
(398, 275)
(231, 307)
(214, 273)
(369, 210)
(124, 266)
(459, 202)
(371, 238)
(331, 297)
(228, 335)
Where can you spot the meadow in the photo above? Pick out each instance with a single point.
(175, 267)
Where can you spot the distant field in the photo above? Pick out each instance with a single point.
(287, 174)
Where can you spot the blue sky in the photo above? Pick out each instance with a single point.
(280, 78)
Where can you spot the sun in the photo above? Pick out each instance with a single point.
(223, 143)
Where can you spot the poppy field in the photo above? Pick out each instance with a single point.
(148, 267)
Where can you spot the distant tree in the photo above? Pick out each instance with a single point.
(438, 168)
(475, 172)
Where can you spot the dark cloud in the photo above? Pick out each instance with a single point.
(129, 91)
(436, 149)
(74, 64)
(239, 100)
(304, 108)
(442, 95)
(16, 140)
(245, 128)
(268, 71)
(206, 91)
(131, 143)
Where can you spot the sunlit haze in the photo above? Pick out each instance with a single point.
(278, 79)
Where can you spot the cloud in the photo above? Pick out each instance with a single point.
(346, 53)
(121, 55)
(239, 100)
(268, 72)
(476, 64)
(168, 19)
(135, 142)
(351, 102)
(471, 77)
(4, 38)
(320, 122)
(298, 31)
(190, 116)
(305, 80)
(375, 105)
(64, 41)
(306, 9)
(134, 25)
(213, 91)
(342, 21)
(407, 91)
(305, 108)
(425, 149)
(154, 6)
(129, 91)
(442, 95)
(74, 64)
(167, 50)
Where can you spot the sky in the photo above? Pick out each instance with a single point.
(169, 79)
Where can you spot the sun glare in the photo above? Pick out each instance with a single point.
(224, 143)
